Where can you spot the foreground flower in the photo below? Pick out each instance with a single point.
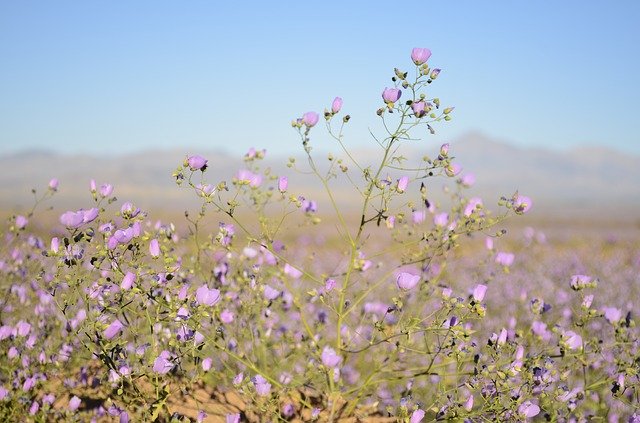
(310, 119)
(391, 95)
(417, 416)
(407, 281)
(529, 409)
(330, 358)
(78, 218)
(420, 55)
(197, 163)
(154, 248)
(74, 403)
(262, 386)
(479, 292)
(419, 108)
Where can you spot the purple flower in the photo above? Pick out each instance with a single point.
(233, 418)
(128, 210)
(580, 281)
(403, 182)
(21, 221)
(106, 190)
(330, 358)
(391, 95)
(435, 73)
(3, 393)
(468, 179)
(201, 416)
(419, 216)
(74, 403)
(336, 105)
(444, 150)
(206, 296)
(329, 284)
(197, 163)
(310, 119)
(113, 329)
(154, 248)
(529, 409)
(504, 259)
(123, 236)
(292, 271)
(72, 219)
(407, 281)
(612, 314)
(420, 56)
(226, 316)
(53, 184)
(206, 364)
(262, 386)
(163, 363)
(89, 215)
(253, 179)
(417, 416)
(419, 108)
(34, 408)
(283, 184)
(441, 219)
(128, 281)
(271, 293)
(479, 292)
(472, 205)
(572, 340)
(23, 328)
(522, 204)
(205, 190)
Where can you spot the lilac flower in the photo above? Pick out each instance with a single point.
(113, 329)
(468, 405)
(263, 388)
(21, 221)
(310, 119)
(403, 182)
(55, 244)
(580, 281)
(336, 105)
(612, 314)
(522, 204)
(444, 150)
(472, 205)
(417, 416)
(529, 409)
(226, 316)
(72, 219)
(391, 95)
(106, 190)
(233, 418)
(390, 222)
(13, 352)
(206, 364)
(206, 296)
(479, 292)
(197, 163)
(407, 281)
(53, 184)
(271, 293)
(154, 248)
(330, 358)
(74, 403)
(292, 271)
(504, 259)
(122, 236)
(309, 206)
(253, 179)
(163, 363)
(48, 399)
(205, 190)
(419, 216)
(237, 380)
(128, 210)
(283, 184)
(329, 285)
(23, 328)
(34, 408)
(92, 185)
(419, 108)
(572, 340)
(128, 281)
(453, 169)
(419, 57)
(435, 73)
(201, 416)
(468, 179)
(441, 219)
(3, 393)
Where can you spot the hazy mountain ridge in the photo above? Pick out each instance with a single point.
(586, 178)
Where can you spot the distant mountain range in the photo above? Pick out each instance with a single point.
(561, 183)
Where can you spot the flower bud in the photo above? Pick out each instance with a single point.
(434, 73)
(336, 105)
(53, 184)
(283, 184)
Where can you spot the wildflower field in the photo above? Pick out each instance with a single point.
(421, 303)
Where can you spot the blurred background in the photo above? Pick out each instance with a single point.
(545, 93)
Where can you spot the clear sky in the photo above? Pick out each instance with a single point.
(112, 77)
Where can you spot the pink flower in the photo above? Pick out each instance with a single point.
(53, 184)
(262, 386)
(74, 403)
(407, 281)
(106, 190)
(283, 184)
(330, 358)
(336, 105)
(529, 409)
(472, 205)
(226, 316)
(522, 204)
(113, 329)
(128, 281)
(612, 314)
(572, 340)
(504, 259)
(420, 55)
(479, 292)
(403, 182)
(417, 415)
(441, 219)
(391, 95)
(253, 179)
(197, 163)
(292, 271)
(154, 248)
(418, 108)
(206, 364)
(206, 296)
(163, 363)
(21, 221)
(310, 119)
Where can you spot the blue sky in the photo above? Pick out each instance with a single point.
(111, 77)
